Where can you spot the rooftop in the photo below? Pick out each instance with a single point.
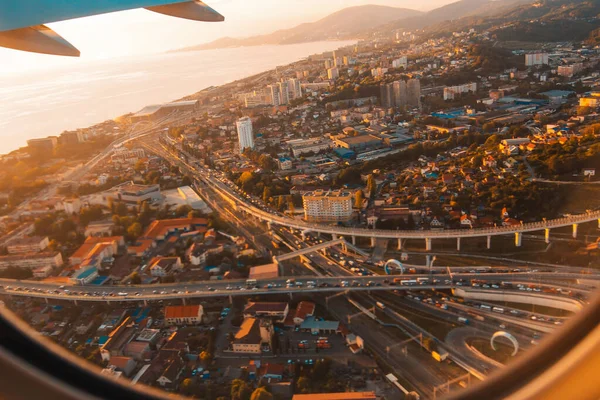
(183, 311)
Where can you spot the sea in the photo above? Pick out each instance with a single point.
(39, 104)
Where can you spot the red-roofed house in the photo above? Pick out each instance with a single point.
(183, 315)
(303, 310)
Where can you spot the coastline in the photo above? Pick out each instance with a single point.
(65, 100)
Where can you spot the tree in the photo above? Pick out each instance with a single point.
(371, 186)
(136, 279)
(240, 390)
(205, 357)
(186, 181)
(303, 384)
(186, 385)
(121, 209)
(359, 197)
(266, 194)
(261, 394)
(140, 166)
(135, 230)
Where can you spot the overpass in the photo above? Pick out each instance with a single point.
(229, 288)
(272, 218)
(338, 242)
(512, 296)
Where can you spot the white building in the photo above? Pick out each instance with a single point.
(245, 134)
(333, 73)
(451, 91)
(536, 59)
(72, 206)
(400, 62)
(32, 244)
(327, 206)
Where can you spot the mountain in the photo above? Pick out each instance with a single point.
(457, 10)
(344, 24)
(542, 21)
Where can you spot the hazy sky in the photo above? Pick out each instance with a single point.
(140, 31)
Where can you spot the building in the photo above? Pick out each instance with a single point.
(43, 144)
(359, 143)
(159, 229)
(165, 266)
(400, 62)
(183, 315)
(284, 92)
(198, 253)
(304, 309)
(42, 272)
(386, 95)
(569, 70)
(413, 93)
(126, 365)
(245, 134)
(277, 311)
(536, 59)
(267, 271)
(273, 91)
(32, 260)
(71, 137)
(31, 244)
(333, 73)
(133, 193)
(313, 145)
(450, 92)
(285, 163)
(252, 335)
(84, 275)
(95, 249)
(123, 155)
(337, 396)
(592, 101)
(400, 93)
(321, 206)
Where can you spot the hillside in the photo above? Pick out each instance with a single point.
(343, 24)
(542, 21)
(458, 10)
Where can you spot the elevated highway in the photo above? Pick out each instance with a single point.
(513, 296)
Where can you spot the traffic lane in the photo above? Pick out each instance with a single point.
(220, 284)
(457, 339)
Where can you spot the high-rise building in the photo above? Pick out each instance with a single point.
(328, 64)
(274, 94)
(294, 89)
(400, 93)
(387, 94)
(413, 91)
(284, 93)
(346, 60)
(245, 134)
(327, 206)
(333, 73)
(43, 144)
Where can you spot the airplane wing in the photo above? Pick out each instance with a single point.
(22, 22)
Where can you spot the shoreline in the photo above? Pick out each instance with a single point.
(139, 86)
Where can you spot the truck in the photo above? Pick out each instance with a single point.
(251, 283)
(380, 305)
(463, 320)
(439, 355)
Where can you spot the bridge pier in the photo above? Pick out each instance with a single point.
(575, 231)
(145, 303)
(373, 242)
(518, 239)
(230, 299)
(334, 236)
(75, 302)
(303, 235)
(489, 242)
(399, 244)
(428, 244)
(184, 301)
(428, 261)
(458, 244)
(268, 225)
(291, 295)
(354, 240)
(46, 300)
(547, 235)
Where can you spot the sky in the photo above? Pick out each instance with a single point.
(135, 32)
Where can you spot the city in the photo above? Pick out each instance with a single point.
(404, 217)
